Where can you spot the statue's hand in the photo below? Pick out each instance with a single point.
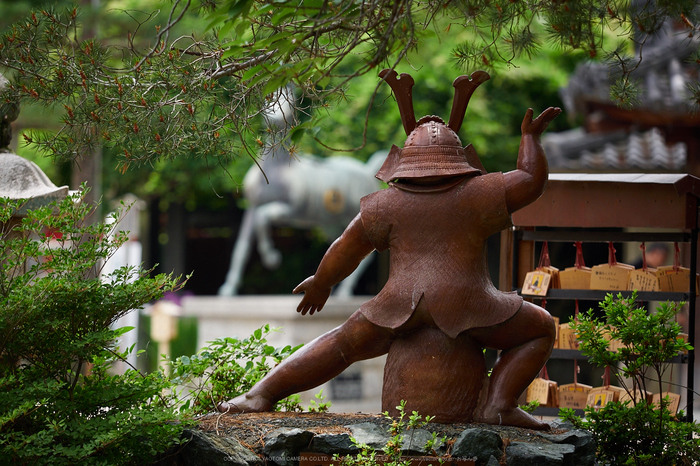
(539, 124)
(315, 297)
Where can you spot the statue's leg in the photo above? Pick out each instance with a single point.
(240, 254)
(526, 342)
(315, 363)
(265, 216)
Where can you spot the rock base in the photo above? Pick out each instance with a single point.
(312, 439)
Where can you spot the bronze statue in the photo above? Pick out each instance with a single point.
(434, 218)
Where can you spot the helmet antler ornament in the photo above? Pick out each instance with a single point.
(402, 85)
(403, 91)
(464, 88)
(432, 148)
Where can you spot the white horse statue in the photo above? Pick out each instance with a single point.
(302, 192)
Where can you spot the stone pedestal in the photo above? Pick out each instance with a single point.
(312, 439)
(436, 375)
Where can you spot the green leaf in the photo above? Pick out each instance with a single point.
(215, 20)
(121, 331)
(276, 82)
(242, 30)
(297, 134)
(240, 8)
(251, 72)
(282, 15)
(263, 10)
(229, 25)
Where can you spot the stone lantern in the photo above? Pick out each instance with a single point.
(19, 177)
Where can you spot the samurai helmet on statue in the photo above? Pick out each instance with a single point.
(432, 148)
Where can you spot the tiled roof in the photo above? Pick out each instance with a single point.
(663, 75)
(576, 150)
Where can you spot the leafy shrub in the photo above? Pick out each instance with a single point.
(226, 368)
(639, 434)
(59, 404)
(635, 432)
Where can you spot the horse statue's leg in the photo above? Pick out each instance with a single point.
(239, 256)
(265, 216)
(346, 288)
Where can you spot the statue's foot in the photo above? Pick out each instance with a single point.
(512, 417)
(245, 403)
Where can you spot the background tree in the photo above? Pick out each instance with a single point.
(171, 92)
(200, 94)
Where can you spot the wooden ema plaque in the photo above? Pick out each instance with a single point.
(579, 276)
(544, 277)
(610, 277)
(644, 280)
(636, 396)
(567, 337)
(542, 391)
(536, 283)
(574, 278)
(614, 345)
(684, 338)
(672, 403)
(573, 395)
(601, 396)
(675, 279)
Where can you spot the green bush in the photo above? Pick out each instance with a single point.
(226, 368)
(635, 432)
(639, 434)
(59, 404)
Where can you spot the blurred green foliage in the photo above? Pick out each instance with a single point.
(492, 122)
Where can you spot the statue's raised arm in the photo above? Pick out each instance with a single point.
(526, 183)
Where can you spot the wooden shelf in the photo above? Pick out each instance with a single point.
(578, 355)
(601, 236)
(634, 207)
(599, 295)
(553, 412)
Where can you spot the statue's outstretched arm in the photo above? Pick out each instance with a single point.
(342, 257)
(525, 184)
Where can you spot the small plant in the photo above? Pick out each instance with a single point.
(648, 340)
(635, 432)
(366, 457)
(392, 450)
(530, 407)
(226, 368)
(318, 405)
